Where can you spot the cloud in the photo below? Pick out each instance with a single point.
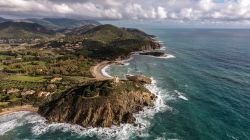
(162, 12)
(182, 10)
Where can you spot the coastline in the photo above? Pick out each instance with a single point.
(96, 70)
(14, 109)
(115, 131)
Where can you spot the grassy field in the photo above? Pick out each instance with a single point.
(3, 103)
(27, 78)
(1, 66)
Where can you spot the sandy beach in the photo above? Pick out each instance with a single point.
(97, 70)
(6, 111)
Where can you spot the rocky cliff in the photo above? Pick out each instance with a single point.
(98, 104)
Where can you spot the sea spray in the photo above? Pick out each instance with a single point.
(10, 121)
(180, 95)
(115, 132)
(125, 131)
(167, 56)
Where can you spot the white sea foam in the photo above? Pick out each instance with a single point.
(10, 121)
(7, 126)
(104, 71)
(180, 95)
(163, 48)
(40, 126)
(126, 64)
(167, 56)
(130, 58)
(116, 132)
(160, 42)
(160, 138)
(123, 132)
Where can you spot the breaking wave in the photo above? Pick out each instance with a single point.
(39, 125)
(104, 71)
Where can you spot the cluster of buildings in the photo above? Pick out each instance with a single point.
(17, 42)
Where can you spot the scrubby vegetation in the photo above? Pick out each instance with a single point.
(29, 74)
(98, 104)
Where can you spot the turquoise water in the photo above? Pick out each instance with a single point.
(204, 92)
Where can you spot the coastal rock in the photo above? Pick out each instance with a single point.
(153, 53)
(139, 79)
(98, 104)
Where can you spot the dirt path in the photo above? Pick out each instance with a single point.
(97, 70)
(6, 111)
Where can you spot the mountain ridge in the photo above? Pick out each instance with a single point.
(20, 30)
(61, 23)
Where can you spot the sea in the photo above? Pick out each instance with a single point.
(202, 85)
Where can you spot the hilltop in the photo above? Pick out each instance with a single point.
(60, 23)
(23, 30)
(101, 41)
(98, 104)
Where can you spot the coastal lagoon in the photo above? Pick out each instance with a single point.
(203, 89)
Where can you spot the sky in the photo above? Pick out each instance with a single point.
(235, 12)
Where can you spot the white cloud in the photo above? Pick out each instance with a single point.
(197, 10)
(206, 4)
(63, 8)
(161, 12)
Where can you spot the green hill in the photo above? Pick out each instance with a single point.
(111, 42)
(23, 30)
(108, 33)
(105, 42)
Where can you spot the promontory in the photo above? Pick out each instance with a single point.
(50, 70)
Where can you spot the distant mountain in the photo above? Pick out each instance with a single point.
(23, 30)
(60, 23)
(78, 30)
(3, 20)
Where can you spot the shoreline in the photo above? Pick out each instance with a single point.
(96, 70)
(14, 109)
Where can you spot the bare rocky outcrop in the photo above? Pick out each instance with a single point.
(98, 104)
(139, 79)
(153, 53)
